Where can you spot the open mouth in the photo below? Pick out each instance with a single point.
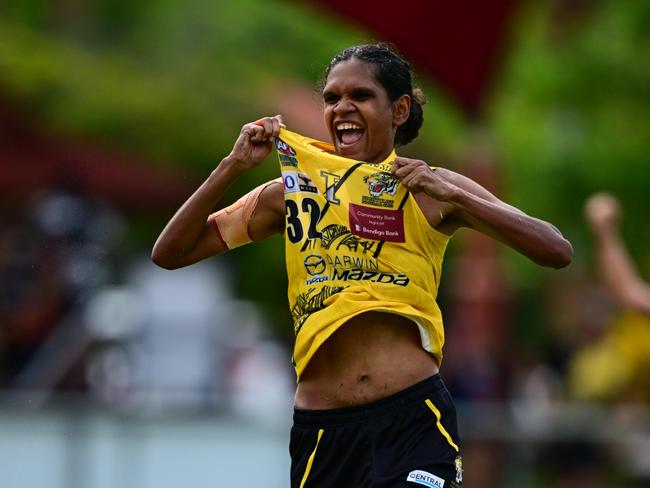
(349, 133)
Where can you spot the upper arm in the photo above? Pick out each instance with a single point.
(637, 297)
(267, 217)
(255, 216)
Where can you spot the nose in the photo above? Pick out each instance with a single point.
(343, 106)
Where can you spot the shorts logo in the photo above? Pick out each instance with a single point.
(458, 463)
(425, 479)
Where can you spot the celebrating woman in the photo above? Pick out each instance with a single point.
(365, 233)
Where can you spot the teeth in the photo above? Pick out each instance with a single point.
(347, 125)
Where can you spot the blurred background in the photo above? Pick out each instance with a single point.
(116, 373)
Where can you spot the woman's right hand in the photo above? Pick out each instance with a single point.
(255, 142)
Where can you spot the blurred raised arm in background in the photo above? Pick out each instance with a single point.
(615, 266)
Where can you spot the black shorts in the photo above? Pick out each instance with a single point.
(409, 440)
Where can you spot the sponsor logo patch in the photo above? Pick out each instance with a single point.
(331, 180)
(377, 223)
(425, 479)
(284, 148)
(347, 262)
(380, 183)
(296, 182)
(286, 160)
(314, 264)
(399, 279)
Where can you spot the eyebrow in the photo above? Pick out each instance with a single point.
(355, 92)
(362, 91)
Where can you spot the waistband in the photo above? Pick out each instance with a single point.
(362, 413)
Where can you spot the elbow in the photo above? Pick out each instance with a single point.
(561, 255)
(162, 259)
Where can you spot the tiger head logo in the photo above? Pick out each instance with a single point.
(381, 182)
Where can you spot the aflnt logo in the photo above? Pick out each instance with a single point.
(284, 148)
(356, 274)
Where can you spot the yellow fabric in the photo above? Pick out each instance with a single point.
(338, 269)
(616, 364)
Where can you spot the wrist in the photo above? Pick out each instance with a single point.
(454, 195)
(228, 169)
(232, 165)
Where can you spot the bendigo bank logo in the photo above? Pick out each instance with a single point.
(381, 182)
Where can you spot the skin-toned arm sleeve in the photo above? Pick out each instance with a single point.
(615, 266)
(253, 217)
(470, 205)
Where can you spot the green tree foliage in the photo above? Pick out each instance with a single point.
(571, 115)
(175, 80)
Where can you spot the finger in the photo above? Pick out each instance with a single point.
(254, 132)
(266, 123)
(276, 127)
(402, 172)
(398, 164)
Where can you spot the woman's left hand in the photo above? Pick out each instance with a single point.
(418, 176)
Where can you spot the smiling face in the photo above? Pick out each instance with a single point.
(359, 116)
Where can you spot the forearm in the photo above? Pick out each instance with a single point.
(618, 272)
(182, 232)
(538, 240)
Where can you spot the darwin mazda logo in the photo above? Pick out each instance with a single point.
(314, 264)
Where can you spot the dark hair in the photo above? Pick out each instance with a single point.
(393, 72)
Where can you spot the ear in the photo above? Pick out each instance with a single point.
(401, 110)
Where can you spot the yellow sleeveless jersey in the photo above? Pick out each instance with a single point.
(356, 240)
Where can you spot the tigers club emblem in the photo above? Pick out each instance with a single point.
(380, 183)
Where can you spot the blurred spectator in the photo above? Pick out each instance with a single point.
(54, 253)
(615, 365)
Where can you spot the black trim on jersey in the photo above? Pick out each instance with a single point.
(345, 176)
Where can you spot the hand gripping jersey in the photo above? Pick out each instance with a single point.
(356, 240)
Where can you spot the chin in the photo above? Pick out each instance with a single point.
(351, 152)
